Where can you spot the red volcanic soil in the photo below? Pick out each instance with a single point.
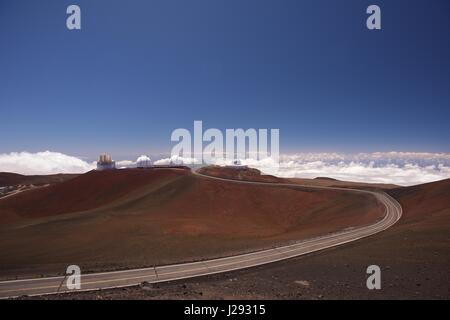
(330, 182)
(423, 202)
(141, 217)
(248, 174)
(87, 191)
(14, 179)
(414, 257)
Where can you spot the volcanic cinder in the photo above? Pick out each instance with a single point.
(414, 257)
(142, 217)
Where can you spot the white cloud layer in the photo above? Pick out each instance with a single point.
(125, 164)
(177, 160)
(402, 168)
(42, 163)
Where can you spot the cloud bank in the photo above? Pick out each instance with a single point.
(402, 168)
(177, 160)
(46, 162)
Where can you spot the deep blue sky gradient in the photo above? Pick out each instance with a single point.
(139, 69)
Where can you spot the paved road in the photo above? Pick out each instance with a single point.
(40, 286)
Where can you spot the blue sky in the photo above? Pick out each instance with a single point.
(139, 69)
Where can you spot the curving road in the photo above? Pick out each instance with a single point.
(116, 279)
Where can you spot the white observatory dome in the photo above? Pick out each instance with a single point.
(144, 162)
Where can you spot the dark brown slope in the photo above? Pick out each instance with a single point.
(14, 179)
(329, 182)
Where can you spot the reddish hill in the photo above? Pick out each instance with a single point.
(133, 217)
(14, 179)
(248, 174)
(414, 257)
(87, 191)
(10, 179)
(423, 201)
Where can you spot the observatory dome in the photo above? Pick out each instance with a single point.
(144, 162)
